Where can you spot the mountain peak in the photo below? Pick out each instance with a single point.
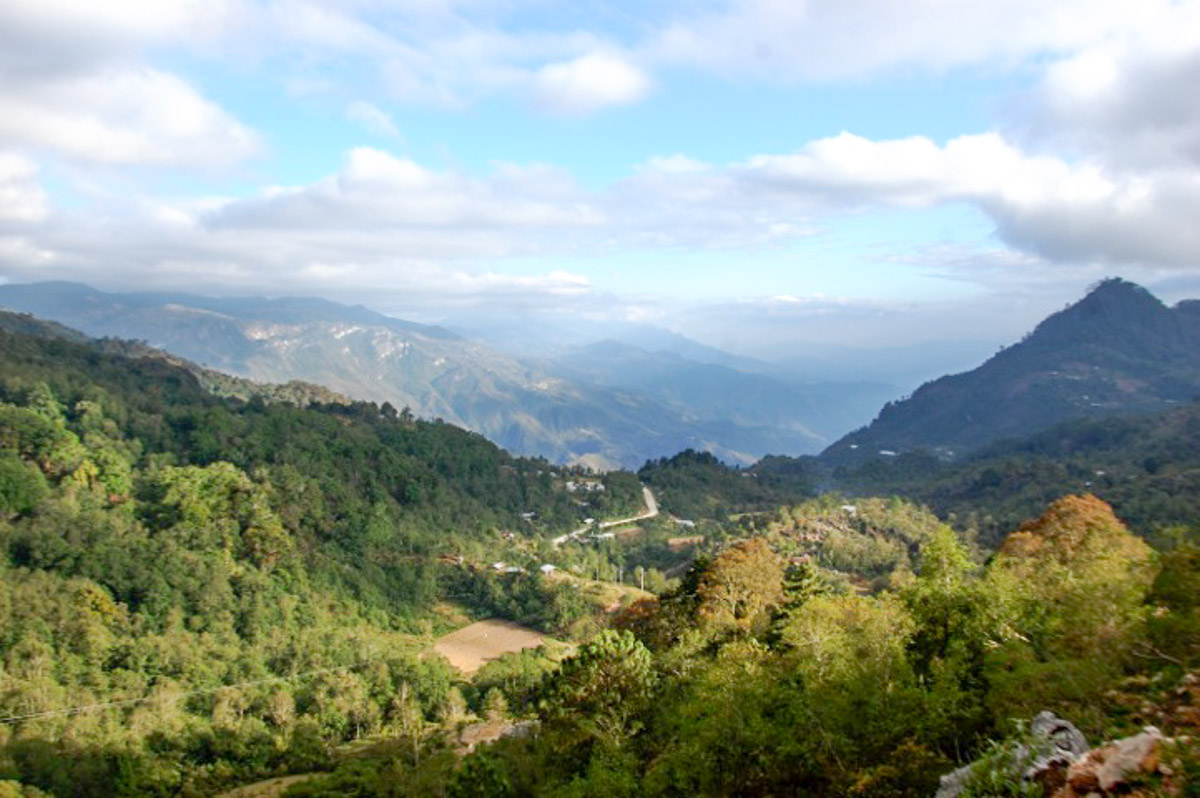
(1115, 292)
(1117, 350)
(1115, 312)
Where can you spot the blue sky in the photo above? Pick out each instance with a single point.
(754, 174)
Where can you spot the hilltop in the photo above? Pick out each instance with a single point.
(1118, 350)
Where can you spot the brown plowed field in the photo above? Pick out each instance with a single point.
(470, 647)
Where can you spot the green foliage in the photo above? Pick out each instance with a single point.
(597, 693)
(22, 485)
(911, 769)
(741, 587)
(249, 584)
(516, 678)
(1146, 466)
(480, 776)
(1084, 578)
(697, 485)
(1174, 622)
(243, 580)
(998, 773)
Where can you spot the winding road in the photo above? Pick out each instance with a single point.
(651, 511)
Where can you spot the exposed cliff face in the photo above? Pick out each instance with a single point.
(1117, 350)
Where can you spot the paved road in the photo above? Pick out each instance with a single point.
(651, 511)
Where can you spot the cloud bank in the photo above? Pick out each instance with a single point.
(1094, 162)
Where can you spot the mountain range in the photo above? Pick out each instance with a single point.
(1118, 350)
(612, 402)
(604, 404)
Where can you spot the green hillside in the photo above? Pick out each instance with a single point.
(196, 591)
(199, 593)
(1147, 466)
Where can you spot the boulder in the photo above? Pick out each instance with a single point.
(1108, 769)
(1054, 745)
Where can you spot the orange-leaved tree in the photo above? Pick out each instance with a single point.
(741, 586)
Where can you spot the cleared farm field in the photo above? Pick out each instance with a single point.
(470, 647)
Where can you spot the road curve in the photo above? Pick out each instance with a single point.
(651, 511)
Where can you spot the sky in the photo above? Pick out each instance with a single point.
(764, 175)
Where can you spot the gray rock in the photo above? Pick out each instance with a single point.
(1054, 745)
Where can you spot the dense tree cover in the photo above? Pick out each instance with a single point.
(1147, 467)
(696, 485)
(195, 591)
(862, 695)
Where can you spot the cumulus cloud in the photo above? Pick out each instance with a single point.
(378, 191)
(52, 36)
(589, 83)
(121, 115)
(72, 84)
(1063, 211)
(1127, 99)
(1105, 168)
(394, 224)
(382, 229)
(154, 250)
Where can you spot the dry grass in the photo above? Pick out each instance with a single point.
(271, 788)
(606, 596)
(676, 544)
(470, 647)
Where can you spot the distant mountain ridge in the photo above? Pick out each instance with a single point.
(716, 392)
(1118, 350)
(526, 406)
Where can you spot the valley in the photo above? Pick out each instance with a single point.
(212, 584)
(607, 405)
(457, 399)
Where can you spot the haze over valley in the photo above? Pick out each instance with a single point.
(465, 398)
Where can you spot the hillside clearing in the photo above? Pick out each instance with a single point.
(270, 788)
(470, 647)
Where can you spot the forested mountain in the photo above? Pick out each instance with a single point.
(159, 544)
(198, 592)
(1146, 465)
(583, 408)
(1118, 350)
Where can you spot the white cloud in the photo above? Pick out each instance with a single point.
(373, 118)
(383, 230)
(839, 39)
(376, 191)
(589, 83)
(57, 35)
(1128, 99)
(122, 115)
(74, 82)
(21, 197)
(1069, 212)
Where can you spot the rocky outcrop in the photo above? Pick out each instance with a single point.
(1109, 769)
(1057, 759)
(1054, 745)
